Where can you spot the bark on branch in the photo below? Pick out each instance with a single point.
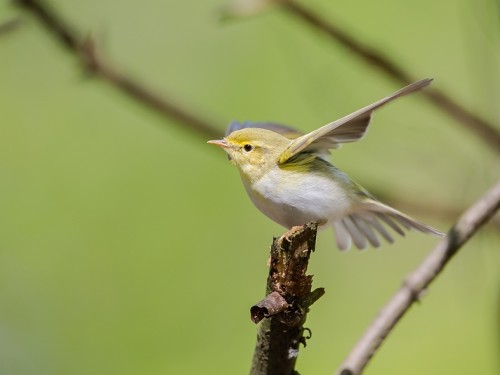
(288, 299)
(416, 283)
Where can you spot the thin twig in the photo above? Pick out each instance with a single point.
(479, 126)
(416, 283)
(86, 51)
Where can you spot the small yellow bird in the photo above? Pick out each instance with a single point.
(289, 179)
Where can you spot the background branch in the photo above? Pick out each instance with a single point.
(479, 126)
(416, 283)
(87, 53)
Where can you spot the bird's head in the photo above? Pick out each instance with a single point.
(254, 151)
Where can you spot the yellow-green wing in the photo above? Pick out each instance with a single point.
(350, 128)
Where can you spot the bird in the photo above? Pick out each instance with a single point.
(289, 178)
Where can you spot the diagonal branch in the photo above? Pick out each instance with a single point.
(416, 283)
(479, 126)
(86, 52)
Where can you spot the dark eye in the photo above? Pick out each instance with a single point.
(248, 147)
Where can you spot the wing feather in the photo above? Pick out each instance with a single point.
(349, 128)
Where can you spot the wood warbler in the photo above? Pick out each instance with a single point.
(289, 179)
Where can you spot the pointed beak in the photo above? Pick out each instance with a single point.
(219, 142)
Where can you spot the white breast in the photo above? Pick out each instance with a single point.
(295, 198)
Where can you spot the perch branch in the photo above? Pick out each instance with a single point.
(92, 60)
(479, 126)
(416, 283)
(285, 308)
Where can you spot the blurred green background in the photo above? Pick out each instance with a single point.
(128, 245)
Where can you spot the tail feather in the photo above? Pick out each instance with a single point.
(342, 236)
(388, 220)
(380, 229)
(357, 236)
(366, 230)
(364, 223)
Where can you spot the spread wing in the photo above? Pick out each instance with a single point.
(350, 128)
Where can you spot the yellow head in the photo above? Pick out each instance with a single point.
(253, 150)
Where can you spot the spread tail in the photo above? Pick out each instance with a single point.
(365, 222)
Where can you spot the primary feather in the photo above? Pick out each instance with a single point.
(349, 128)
